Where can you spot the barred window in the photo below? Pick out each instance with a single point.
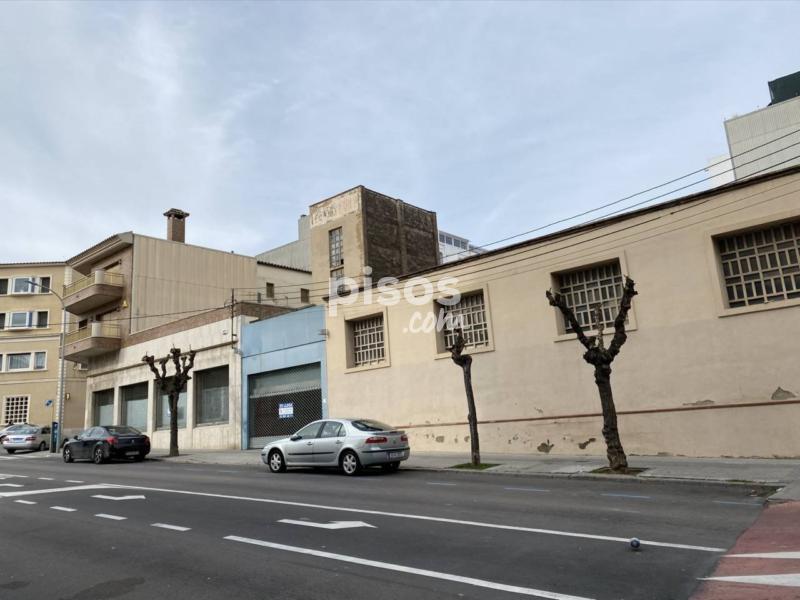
(368, 345)
(335, 247)
(585, 289)
(16, 409)
(469, 314)
(761, 266)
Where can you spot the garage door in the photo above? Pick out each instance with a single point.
(283, 401)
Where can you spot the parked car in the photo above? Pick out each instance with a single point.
(100, 444)
(350, 444)
(25, 437)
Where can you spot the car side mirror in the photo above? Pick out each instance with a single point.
(74, 437)
(295, 437)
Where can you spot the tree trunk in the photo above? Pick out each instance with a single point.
(616, 455)
(473, 416)
(174, 396)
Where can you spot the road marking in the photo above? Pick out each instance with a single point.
(626, 496)
(168, 526)
(102, 497)
(766, 555)
(73, 481)
(25, 501)
(438, 483)
(112, 517)
(783, 580)
(6, 475)
(526, 489)
(11, 485)
(605, 538)
(64, 508)
(73, 488)
(221, 471)
(331, 525)
(411, 570)
(739, 503)
(45, 478)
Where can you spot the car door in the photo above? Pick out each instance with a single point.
(86, 442)
(300, 447)
(328, 444)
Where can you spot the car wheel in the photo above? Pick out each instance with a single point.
(42, 447)
(391, 467)
(10, 450)
(67, 454)
(275, 462)
(349, 463)
(98, 456)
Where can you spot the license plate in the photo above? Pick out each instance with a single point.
(396, 454)
(131, 452)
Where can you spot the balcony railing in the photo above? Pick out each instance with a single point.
(98, 277)
(93, 330)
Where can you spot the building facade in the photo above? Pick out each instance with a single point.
(709, 368)
(767, 139)
(30, 328)
(453, 247)
(284, 375)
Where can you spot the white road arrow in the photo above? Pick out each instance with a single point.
(118, 497)
(331, 525)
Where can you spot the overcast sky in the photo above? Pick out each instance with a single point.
(498, 116)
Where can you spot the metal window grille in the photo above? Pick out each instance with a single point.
(586, 289)
(335, 247)
(368, 341)
(761, 266)
(470, 315)
(16, 409)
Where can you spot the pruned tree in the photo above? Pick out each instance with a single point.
(601, 358)
(465, 362)
(172, 385)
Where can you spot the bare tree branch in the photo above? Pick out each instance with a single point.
(560, 303)
(620, 336)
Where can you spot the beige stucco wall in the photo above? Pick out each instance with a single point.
(343, 210)
(213, 345)
(39, 385)
(172, 277)
(689, 361)
(287, 282)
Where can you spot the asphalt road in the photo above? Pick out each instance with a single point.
(167, 530)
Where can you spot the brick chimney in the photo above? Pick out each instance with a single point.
(176, 224)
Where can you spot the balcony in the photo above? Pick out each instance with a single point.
(98, 289)
(93, 340)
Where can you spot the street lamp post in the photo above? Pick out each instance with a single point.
(61, 369)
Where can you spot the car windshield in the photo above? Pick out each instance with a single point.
(26, 429)
(121, 430)
(370, 425)
(15, 428)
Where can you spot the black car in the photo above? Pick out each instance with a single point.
(100, 444)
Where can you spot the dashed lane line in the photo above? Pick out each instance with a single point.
(64, 508)
(74, 481)
(73, 488)
(439, 483)
(25, 501)
(573, 534)
(15, 485)
(171, 527)
(635, 496)
(525, 489)
(112, 517)
(493, 585)
(45, 478)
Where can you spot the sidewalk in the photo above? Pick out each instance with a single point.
(783, 473)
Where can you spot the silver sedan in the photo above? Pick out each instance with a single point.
(350, 444)
(26, 437)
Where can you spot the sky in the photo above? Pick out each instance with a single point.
(498, 116)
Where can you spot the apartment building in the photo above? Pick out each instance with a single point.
(709, 368)
(30, 328)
